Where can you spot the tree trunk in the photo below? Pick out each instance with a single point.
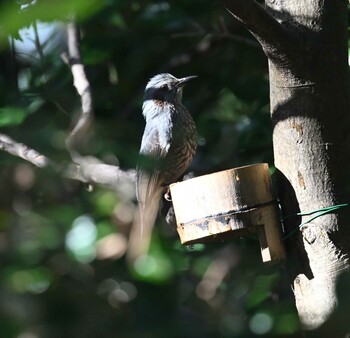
(309, 108)
(306, 44)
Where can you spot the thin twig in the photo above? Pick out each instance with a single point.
(83, 88)
(37, 41)
(218, 35)
(14, 62)
(223, 25)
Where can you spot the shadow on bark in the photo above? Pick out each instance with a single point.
(297, 259)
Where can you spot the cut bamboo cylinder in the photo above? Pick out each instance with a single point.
(229, 204)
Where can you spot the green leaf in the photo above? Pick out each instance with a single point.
(12, 18)
(105, 202)
(286, 323)
(261, 290)
(118, 21)
(35, 280)
(10, 116)
(155, 267)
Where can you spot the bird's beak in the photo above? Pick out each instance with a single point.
(183, 80)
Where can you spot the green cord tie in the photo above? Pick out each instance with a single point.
(320, 212)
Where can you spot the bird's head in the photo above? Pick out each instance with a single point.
(166, 88)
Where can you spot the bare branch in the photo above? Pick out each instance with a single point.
(86, 169)
(37, 41)
(21, 150)
(95, 172)
(81, 82)
(91, 171)
(83, 88)
(217, 36)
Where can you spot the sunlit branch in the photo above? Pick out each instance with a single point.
(86, 169)
(7, 144)
(95, 172)
(82, 85)
(92, 171)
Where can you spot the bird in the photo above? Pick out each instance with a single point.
(167, 148)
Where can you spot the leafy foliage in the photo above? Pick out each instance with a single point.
(63, 271)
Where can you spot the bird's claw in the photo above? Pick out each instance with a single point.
(167, 195)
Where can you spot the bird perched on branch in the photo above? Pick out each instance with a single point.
(167, 148)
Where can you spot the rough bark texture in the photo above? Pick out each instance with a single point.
(309, 107)
(308, 66)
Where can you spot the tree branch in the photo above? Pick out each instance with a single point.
(92, 171)
(37, 41)
(83, 88)
(21, 150)
(86, 169)
(95, 172)
(275, 39)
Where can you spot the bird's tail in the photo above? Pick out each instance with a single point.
(142, 227)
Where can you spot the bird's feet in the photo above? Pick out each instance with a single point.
(167, 195)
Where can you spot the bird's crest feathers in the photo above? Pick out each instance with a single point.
(160, 80)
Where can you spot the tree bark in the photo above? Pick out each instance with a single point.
(309, 108)
(309, 85)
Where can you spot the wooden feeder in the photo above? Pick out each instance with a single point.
(229, 204)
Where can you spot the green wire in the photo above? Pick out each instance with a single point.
(321, 212)
(331, 208)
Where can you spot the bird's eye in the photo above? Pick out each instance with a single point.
(164, 87)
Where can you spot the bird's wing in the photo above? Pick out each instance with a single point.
(148, 179)
(149, 193)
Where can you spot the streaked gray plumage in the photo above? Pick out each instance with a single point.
(169, 141)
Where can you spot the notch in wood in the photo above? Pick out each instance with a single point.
(230, 204)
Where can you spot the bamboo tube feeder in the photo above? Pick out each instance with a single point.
(230, 204)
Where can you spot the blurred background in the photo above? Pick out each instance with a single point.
(63, 271)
